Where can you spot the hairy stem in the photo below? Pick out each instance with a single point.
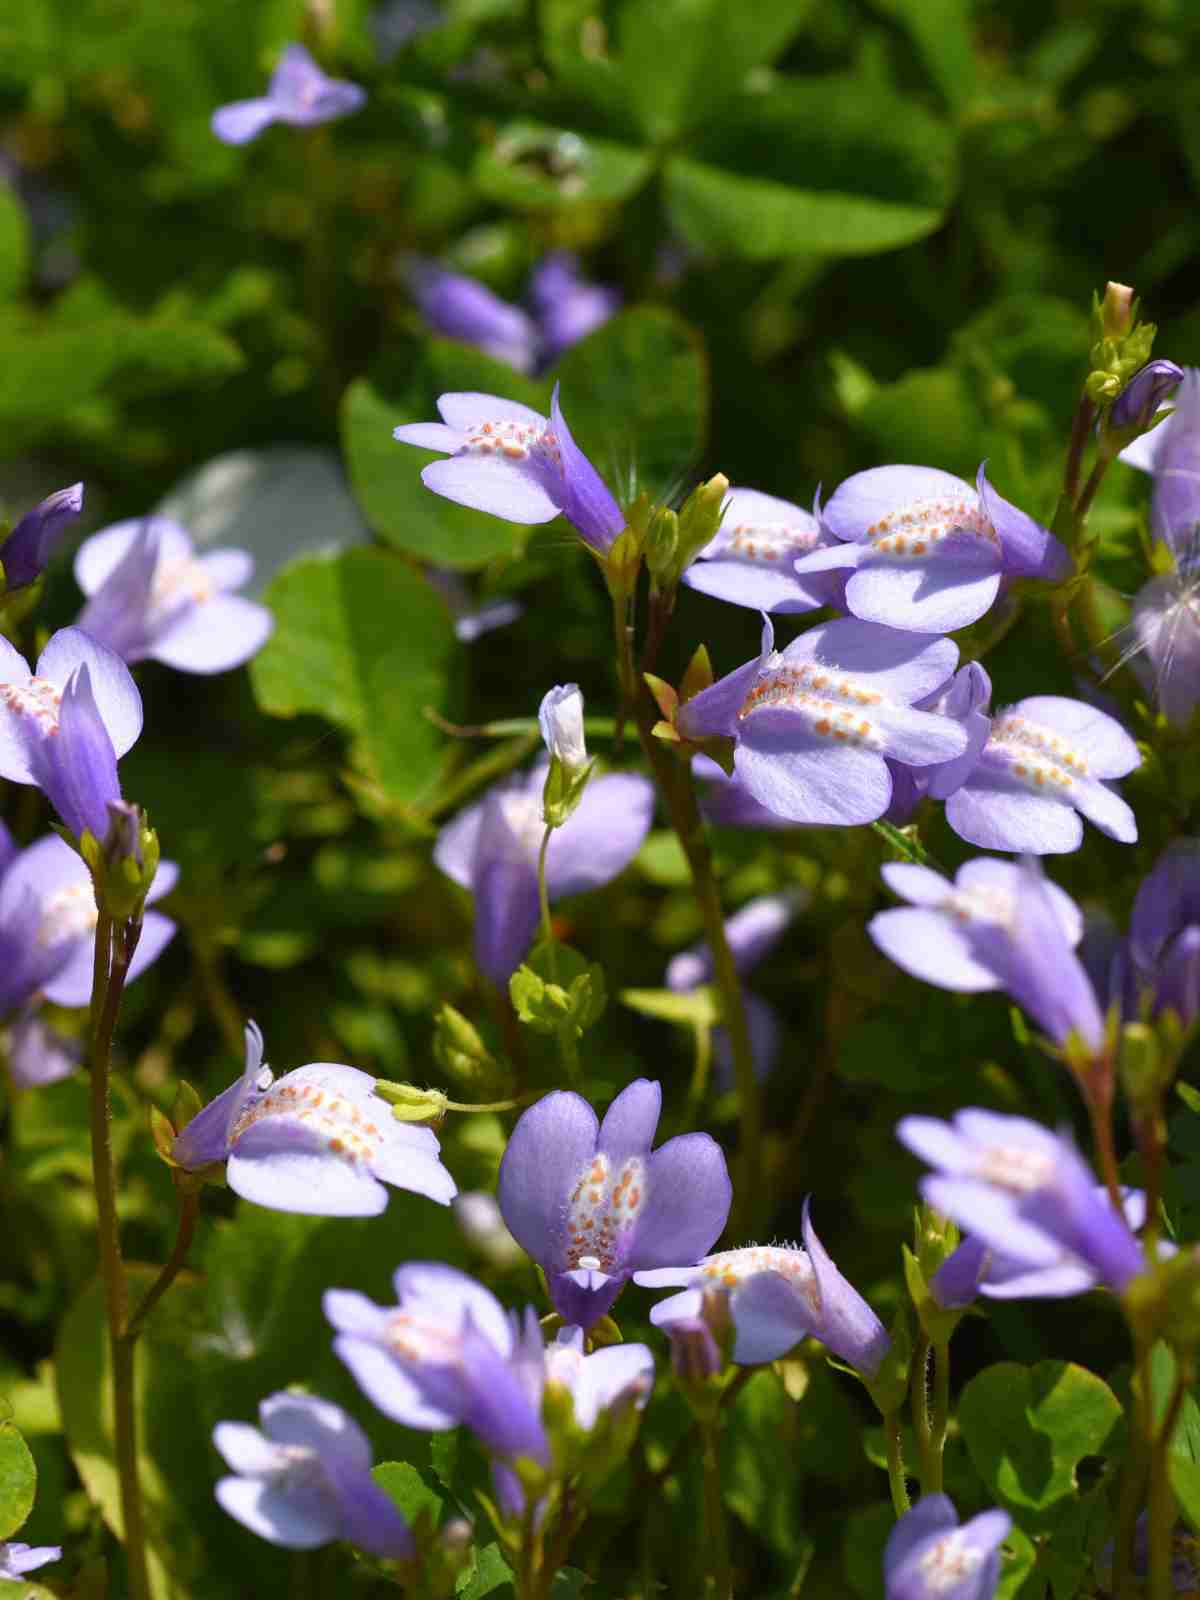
(941, 1412)
(115, 944)
(895, 1463)
(922, 1428)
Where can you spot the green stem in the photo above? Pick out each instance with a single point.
(922, 1429)
(941, 1411)
(1081, 426)
(1133, 1478)
(544, 903)
(1161, 1510)
(189, 1211)
(895, 1463)
(720, 1584)
(1098, 1093)
(115, 945)
(702, 1035)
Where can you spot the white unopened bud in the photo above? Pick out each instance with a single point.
(560, 718)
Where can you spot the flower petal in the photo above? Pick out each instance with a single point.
(430, 436)
(770, 1316)
(243, 120)
(113, 689)
(831, 785)
(1110, 751)
(996, 816)
(931, 946)
(214, 636)
(862, 499)
(951, 588)
(602, 836)
(687, 1205)
(902, 666)
(503, 488)
(550, 1146)
(289, 1167)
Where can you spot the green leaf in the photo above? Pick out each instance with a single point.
(830, 166)
(1028, 1428)
(681, 58)
(279, 503)
(364, 641)
(23, 1589)
(18, 1480)
(635, 394)
(386, 475)
(413, 1495)
(930, 413)
(697, 1009)
(14, 243)
(536, 168)
(491, 1579)
(941, 31)
(759, 1435)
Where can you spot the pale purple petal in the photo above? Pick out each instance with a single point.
(454, 852)
(950, 588)
(506, 914)
(602, 836)
(464, 410)
(227, 568)
(770, 1317)
(243, 120)
(291, 1519)
(1107, 811)
(462, 308)
(72, 986)
(114, 692)
(714, 711)
(932, 1514)
(847, 1325)
(76, 769)
(920, 886)
(38, 1054)
(929, 945)
(918, 738)
(550, 1147)
(99, 556)
(830, 785)
(1029, 549)
(901, 666)
(688, 1201)
(861, 500)
(587, 501)
(503, 488)
(1002, 815)
(430, 436)
(31, 543)
(630, 1122)
(214, 636)
(622, 1371)
(1110, 751)
(288, 1168)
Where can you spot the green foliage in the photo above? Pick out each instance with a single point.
(18, 1480)
(365, 642)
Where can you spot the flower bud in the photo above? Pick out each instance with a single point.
(462, 1055)
(700, 519)
(410, 1104)
(28, 547)
(1136, 407)
(662, 542)
(560, 718)
(124, 865)
(1116, 310)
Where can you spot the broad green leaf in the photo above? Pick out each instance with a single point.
(490, 1579)
(23, 1589)
(681, 58)
(536, 168)
(1017, 1560)
(364, 641)
(758, 1435)
(829, 166)
(635, 396)
(277, 504)
(1028, 1428)
(14, 243)
(941, 31)
(405, 1485)
(930, 414)
(18, 1480)
(386, 475)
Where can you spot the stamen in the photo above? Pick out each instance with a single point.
(36, 698)
(177, 583)
(948, 1561)
(1015, 1168)
(513, 441)
(978, 904)
(915, 530)
(828, 701)
(730, 1267)
(772, 542)
(602, 1210)
(1036, 755)
(346, 1128)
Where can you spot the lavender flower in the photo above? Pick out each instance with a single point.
(778, 1295)
(17, 1559)
(511, 462)
(1166, 629)
(63, 726)
(299, 93)
(753, 932)
(998, 926)
(317, 1141)
(305, 1479)
(568, 306)
(492, 848)
(726, 801)
(1164, 934)
(38, 1054)
(928, 552)
(1145, 394)
(751, 560)
(1023, 1191)
(814, 723)
(965, 700)
(462, 308)
(1171, 452)
(55, 879)
(975, 1269)
(592, 1205)
(929, 1557)
(1047, 759)
(31, 543)
(151, 597)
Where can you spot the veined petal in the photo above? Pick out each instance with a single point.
(902, 665)
(770, 1316)
(214, 636)
(630, 1122)
(430, 436)
(1103, 807)
(759, 588)
(1029, 549)
(688, 1201)
(290, 1168)
(465, 410)
(931, 946)
(821, 784)
(486, 483)
(950, 588)
(1110, 751)
(864, 498)
(918, 738)
(551, 1146)
(112, 688)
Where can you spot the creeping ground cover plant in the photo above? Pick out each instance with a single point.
(599, 801)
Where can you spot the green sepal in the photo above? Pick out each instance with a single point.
(699, 521)
(622, 564)
(574, 998)
(890, 1384)
(662, 544)
(410, 1104)
(563, 790)
(937, 1323)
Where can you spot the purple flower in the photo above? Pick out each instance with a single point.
(492, 847)
(750, 562)
(965, 699)
(1145, 394)
(16, 1559)
(1047, 759)
(778, 1295)
(592, 1205)
(1023, 1191)
(29, 546)
(1171, 452)
(462, 308)
(63, 726)
(753, 932)
(38, 1054)
(151, 597)
(317, 1141)
(56, 879)
(975, 1269)
(998, 926)
(1166, 628)
(727, 802)
(568, 306)
(305, 1479)
(814, 723)
(1164, 934)
(514, 463)
(928, 552)
(298, 93)
(929, 1557)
